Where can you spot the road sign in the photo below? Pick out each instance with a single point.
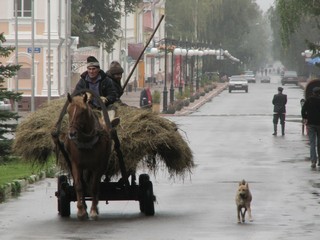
(35, 50)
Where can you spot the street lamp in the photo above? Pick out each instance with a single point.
(191, 53)
(183, 54)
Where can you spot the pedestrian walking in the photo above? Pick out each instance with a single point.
(159, 77)
(311, 114)
(279, 110)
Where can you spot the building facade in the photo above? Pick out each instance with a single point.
(50, 60)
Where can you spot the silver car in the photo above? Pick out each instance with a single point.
(238, 82)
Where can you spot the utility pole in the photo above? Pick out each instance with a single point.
(17, 50)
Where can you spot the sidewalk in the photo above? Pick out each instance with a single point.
(133, 98)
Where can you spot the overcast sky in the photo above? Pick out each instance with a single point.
(265, 4)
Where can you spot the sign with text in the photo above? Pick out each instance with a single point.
(35, 50)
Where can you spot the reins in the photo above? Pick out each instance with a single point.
(86, 140)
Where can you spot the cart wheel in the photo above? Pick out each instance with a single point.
(63, 200)
(143, 178)
(61, 180)
(146, 197)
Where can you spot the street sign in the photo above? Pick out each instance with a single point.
(35, 50)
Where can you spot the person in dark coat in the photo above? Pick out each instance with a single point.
(145, 98)
(96, 80)
(279, 110)
(310, 113)
(115, 73)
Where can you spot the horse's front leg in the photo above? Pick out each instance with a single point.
(94, 211)
(82, 210)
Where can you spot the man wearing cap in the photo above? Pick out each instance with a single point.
(115, 73)
(96, 80)
(311, 115)
(279, 110)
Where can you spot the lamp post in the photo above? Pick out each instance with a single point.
(165, 91)
(183, 54)
(172, 78)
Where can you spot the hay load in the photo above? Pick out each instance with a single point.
(147, 139)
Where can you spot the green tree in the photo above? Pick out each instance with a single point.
(293, 13)
(238, 26)
(6, 117)
(99, 20)
(295, 25)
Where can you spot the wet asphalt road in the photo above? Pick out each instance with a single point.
(231, 140)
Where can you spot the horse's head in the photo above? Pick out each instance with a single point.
(80, 116)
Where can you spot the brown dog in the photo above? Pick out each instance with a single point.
(243, 201)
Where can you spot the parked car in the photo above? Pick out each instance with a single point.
(290, 77)
(250, 76)
(265, 79)
(5, 105)
(238, 82)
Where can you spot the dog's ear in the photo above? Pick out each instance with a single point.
(247, 185)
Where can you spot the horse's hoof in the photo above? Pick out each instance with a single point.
(94, 216)
(83, 216)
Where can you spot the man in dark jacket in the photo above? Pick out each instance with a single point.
(96, 80)
(279, 111)
(311, 115)
(115, 73)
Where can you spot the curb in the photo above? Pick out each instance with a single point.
(204, 99)
(15, 187)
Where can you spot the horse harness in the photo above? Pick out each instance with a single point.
(86, 140)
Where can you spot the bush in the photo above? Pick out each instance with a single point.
(179, 104)
(171, 109)
(156, 96)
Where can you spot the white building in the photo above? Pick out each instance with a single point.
(49, 28)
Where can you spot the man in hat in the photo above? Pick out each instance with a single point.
(96, 80)
(311, 115)
(279, 110)
(115, 73)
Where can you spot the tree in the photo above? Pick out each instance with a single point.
(6, 117)
(237, 25)
(293, 14)
(295, 25)
(99, 20)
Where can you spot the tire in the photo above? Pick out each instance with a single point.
(146, 197)
(143, 179)
(149, 200)
(63, 200)
(61, 180)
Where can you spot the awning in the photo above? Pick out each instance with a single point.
(314, 61)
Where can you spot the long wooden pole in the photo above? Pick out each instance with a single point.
(135, 65)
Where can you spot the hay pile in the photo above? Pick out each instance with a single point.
(146, 138)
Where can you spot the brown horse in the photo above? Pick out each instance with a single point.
(88, 145)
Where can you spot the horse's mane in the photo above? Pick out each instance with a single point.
(78, 100)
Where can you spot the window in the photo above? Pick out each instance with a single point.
(23, 8)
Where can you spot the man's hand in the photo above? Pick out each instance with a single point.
(104, 100)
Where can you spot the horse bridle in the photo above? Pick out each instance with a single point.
(84, 140)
